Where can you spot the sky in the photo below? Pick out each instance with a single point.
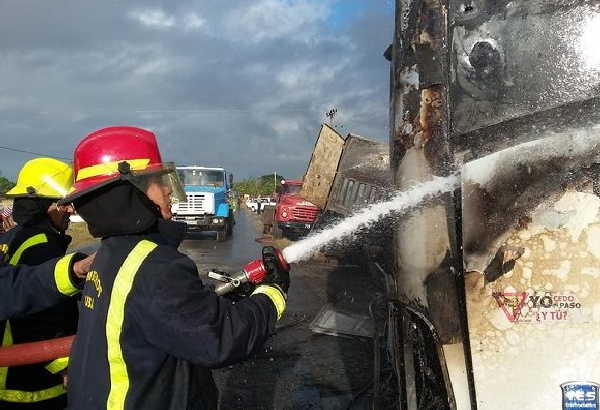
(241, 84)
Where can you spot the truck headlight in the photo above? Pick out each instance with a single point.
(284, 214)
(217, 221)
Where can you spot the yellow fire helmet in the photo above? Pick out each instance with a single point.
(43, 178)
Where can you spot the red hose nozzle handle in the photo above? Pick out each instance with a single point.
(256, 271)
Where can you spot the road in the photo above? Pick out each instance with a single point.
(297, 369)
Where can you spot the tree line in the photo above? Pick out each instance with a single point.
(265, 185)
(5, 184)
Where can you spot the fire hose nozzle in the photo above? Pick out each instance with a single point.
(254, 272)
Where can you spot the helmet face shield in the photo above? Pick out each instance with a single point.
(164, 176)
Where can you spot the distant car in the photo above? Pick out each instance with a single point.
(262, 201)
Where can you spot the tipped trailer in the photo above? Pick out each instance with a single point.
(346, 173)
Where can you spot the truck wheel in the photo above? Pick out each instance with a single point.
(228, 228)
(221, 235)
(277, 234)
(287, 233)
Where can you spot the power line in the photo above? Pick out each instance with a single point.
(33, 153)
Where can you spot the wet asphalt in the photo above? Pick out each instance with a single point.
(297, 368)
(230, 255)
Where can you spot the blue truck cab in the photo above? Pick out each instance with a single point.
(207, 200)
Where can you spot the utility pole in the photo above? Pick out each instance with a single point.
(331, 115)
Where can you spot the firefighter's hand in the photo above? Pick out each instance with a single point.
(241, 292)
(82, 267)
(276, 274)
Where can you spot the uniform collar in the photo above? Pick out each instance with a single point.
(169, 232)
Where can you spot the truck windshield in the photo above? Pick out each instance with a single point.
(201, 177)
(291, 189)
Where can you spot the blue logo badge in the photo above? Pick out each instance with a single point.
(580, 395)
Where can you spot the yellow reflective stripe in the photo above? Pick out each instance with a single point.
(275, 295)
(57, 365)
(119, 379)
(7, 340)
(111, 167)
(4, 252)
(62, 276)
(34, 240)
(19, 396)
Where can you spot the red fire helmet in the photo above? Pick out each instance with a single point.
(113, 153)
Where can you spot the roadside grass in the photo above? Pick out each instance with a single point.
(80, 235)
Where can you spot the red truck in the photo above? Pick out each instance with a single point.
(294, 216)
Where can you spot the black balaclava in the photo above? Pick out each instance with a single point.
(117, 209)
(31, 211)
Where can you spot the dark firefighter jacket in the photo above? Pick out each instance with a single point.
(29, 289)
(149, 330)
(36, 383)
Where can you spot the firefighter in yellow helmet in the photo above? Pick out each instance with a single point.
(38, 237)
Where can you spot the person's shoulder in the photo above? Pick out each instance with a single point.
(19, 234)
(168, 258)
(167, 273)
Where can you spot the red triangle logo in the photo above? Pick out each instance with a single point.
(511, 303)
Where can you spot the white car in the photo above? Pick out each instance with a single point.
(263, 202)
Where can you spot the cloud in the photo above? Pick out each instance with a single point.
(271, 19)
(193, 22)
(243, 86)
(159, 19)
(153, 18)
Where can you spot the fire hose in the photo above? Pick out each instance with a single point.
(35, 352)
(20, 354)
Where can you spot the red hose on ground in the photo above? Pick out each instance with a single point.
(35, 352)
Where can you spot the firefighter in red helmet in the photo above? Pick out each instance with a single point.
(149, 330)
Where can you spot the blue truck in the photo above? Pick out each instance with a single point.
(207, 200)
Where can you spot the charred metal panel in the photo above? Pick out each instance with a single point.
(427, 260)
(561, 120)
(516, 57)
(535, 323)
(519, 91)
(500, 191)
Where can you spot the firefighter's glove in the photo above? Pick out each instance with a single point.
(276, 274)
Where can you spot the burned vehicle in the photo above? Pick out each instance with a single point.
(496, 293)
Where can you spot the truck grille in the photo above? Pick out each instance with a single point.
(196, 203)
(304, 213)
